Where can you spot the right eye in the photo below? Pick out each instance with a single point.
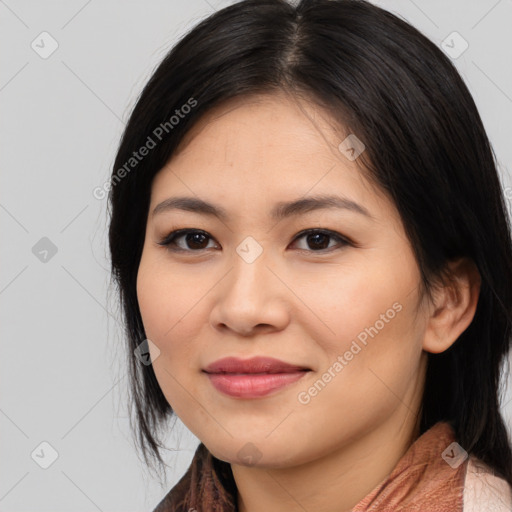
(194, 240)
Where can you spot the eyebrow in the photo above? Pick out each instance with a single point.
(280, 211)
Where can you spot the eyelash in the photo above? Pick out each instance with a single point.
(170, 239)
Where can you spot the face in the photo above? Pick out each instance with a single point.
(330, 288)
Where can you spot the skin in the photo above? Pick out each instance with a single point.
(294, 302)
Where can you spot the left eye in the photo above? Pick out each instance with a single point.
(319, 239)
(195, 240)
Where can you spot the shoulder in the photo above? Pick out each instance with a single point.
(483, 490)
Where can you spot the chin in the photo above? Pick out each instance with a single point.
(262, 454)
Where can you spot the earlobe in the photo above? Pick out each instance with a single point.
(454, 306)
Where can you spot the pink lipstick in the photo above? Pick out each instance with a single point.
(252, 378)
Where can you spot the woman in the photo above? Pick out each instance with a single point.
(315, 266)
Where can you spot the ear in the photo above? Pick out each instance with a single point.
(453, 306)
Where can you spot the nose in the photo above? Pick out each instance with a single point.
(251, 299)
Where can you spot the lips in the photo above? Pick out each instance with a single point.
(252, 378)
(253, 365)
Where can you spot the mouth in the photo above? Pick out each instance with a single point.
(252, 378)
(255, 365)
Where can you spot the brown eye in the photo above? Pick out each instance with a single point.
(318, 240)
(194, 240)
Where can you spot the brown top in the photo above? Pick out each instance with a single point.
(430, 477)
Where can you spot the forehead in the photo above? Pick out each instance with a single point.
(263, 147)
(277, 120)
(256, 132)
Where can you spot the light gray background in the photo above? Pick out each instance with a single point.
(62, 372)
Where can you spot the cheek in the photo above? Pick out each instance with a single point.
(382, 352)
(162, 298)
(166, 317)
(352, 302)
(372, 320)
(369, 370)
(153, 304)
